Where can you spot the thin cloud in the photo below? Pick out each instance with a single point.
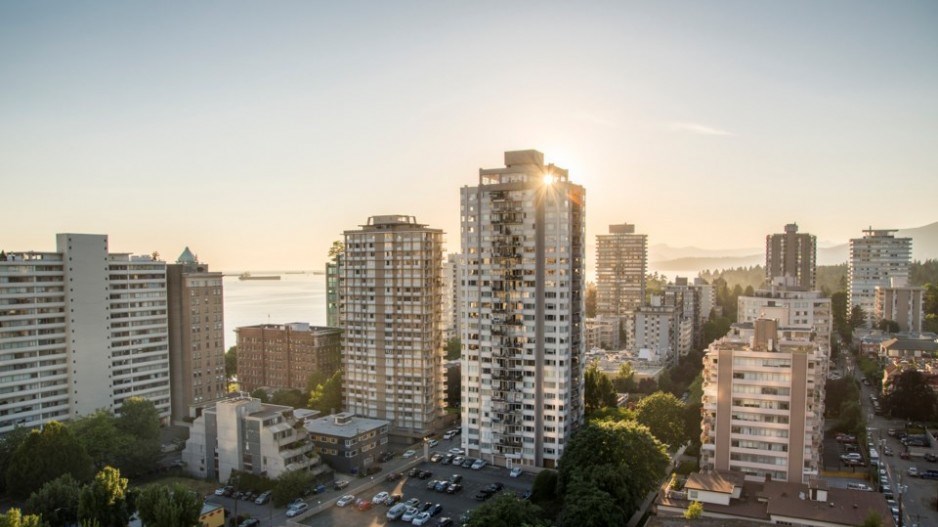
(594, 119)
(697, 128)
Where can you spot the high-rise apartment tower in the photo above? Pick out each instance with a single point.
(793, 256)
(391, 305)
(196, 335)
(523, 238)
(621, 265)
(874, 259)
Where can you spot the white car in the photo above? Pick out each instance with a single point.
(455, 451)
(410, 514)
(380, 498)
(296, 510)
(478, 464)
(515, 472)
(433, 443)
(421, 519)
(220, 492)
(408, 454)
(345, 500)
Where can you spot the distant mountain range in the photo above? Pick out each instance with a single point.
(664, 258)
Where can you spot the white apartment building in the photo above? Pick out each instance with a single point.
(602, 332)
(392, 299)
(797, 309)
(763, 402)
(451, 297)
(621, 266)
(901, 303)
(874, 259)
(523, 239)
(242, 433)
(81, 329)
(660, 332)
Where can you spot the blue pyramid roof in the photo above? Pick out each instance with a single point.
(187, 257)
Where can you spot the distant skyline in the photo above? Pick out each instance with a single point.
(257, 133)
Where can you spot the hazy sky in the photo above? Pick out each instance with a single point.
(256, 132)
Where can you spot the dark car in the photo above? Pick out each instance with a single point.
(453, 488)
(229, 490)
(435, 509)
(250, 522)
(447, 459)
(393, 499)
(444, 522)
(393, 476)
(483, 495)
(455, 478)
(387, 456)
(931, 457)
(426, 506)
(413, 472)
(468, 463)
(424, 474)
(495, 487)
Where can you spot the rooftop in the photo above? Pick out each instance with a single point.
(352, 426)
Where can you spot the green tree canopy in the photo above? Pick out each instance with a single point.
(663, 414)
(327, 397)
(15, 518)
(261, 394)
(857, 318)
(231, 362)
(911, 397)
(165, 506)
(45, 455)
(56, 501)
(544, 493)
(140, 420)
(694, 511)
(453, 349)
(294, 398)
(599, 390)
(104, 500)
(9, 442)
(586, 505)
(506, 510)
(99, 434)
(622, 459)
(624, 381)
(591, 300)
(290, 485)
(873, 519)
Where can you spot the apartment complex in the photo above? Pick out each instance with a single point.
(792, 308)
(523, 239)
(791, 255)
(900, 303)
(451, 279)
(602, 332)
(621, 265)
(874, 259)
(347, 443)
(763, 402)
(283, 356)
(333, 286)
(242, 433)
(392, 298)
(195, 299)
(80, 329)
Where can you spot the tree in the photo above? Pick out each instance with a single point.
(647, 385)
(889, 326)
(56, 502)
(663, 414)
(453, 349)
(506, 510)
(231, 362)
(850, 418)
(290, 485)
(911, 397)
(15, 518)
(694, 511)
(9, 442)
(591, 300)
(45, 455)
(714, 329)
(857, 318)
(544, 492)
(599, 392)
(261, 394)
(622, 459)
(624, 380)
(103, 441)
(104, 500)
(327, 397)
(165, 506)
(586, 505)
(293, 398)
(139, 420)
(839, 314)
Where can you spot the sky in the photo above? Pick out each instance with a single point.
(257, 132)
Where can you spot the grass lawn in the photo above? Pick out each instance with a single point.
(202, 487)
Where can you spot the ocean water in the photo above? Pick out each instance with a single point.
(293, 298)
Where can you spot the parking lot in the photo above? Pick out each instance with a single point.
(454, 505)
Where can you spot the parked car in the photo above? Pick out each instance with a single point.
(220, 491)
(449, 434)
(426, 506)
(478, 464)
(421, 519)
(363, 504)
(393, 499)
(345, 500)
(913, 471)
(424, 474)
(396, 512)
(380, 497)
(408, 454)
(297, 510)
(435, 509)
(393, 476)
(931, 457)
(250, 522)
(455, 478)
(441, 486)
(263, 498)
(413, 502)
(458, 460)
(341, 484)
(409, 514)
(453, 488)
(432, 443)
(436, 457)
(431, 485)
(483, 495)
(468, 462)
(456, 451)
(444, 522)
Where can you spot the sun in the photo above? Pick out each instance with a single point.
(548, 178)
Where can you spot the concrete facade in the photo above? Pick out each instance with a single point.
(283, 356)
(196, 313)
(392, 301)
(874, 259)
(347, 443)
(81, 329)
(900, 303)
(621, 266)
(523, 245)
(792, 255)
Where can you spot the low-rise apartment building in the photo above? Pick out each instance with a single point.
(348, 443)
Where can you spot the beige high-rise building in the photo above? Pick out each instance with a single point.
(392, 302)
(763, 402)
(621, 265)
(793, 256)
(523, 239)
(874, 259)
(900, 303)
(283, 356)
(195, 300)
